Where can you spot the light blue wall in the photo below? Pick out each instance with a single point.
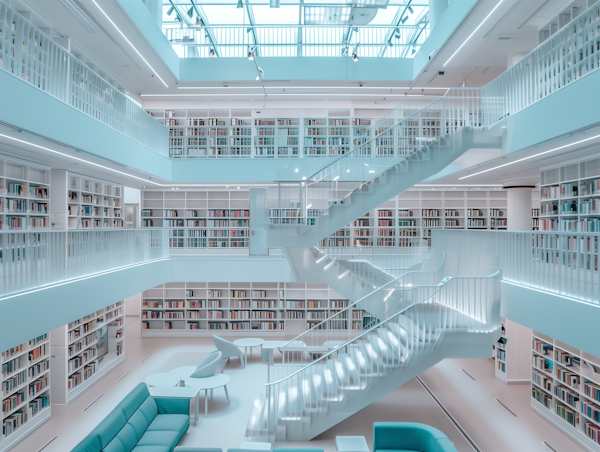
(32, 109)
(149, 28)
(296, 68)
(62, 304)
(570, 321)
(453, 17)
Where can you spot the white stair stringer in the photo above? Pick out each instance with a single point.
(309, 400)
(401, 176)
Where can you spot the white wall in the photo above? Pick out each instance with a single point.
(132, 195)
(133, 305)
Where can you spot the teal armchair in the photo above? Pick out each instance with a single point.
(409, 437)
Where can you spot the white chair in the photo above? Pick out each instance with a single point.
(229, 350)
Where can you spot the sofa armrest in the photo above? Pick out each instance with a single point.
(172, 406)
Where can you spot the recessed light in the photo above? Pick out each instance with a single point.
(503, 38)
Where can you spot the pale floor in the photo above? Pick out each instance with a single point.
(472, 403)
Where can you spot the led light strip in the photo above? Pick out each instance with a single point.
(474, 31)
(291, 94)
(530, 157)
(313, 87)
(128, 42)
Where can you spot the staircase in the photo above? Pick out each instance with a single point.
(329, 374)
(344, 189)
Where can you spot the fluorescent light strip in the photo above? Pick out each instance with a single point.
(459, 185)
(312, 87)
(389, 295)
(474, 31)
(530, 157)
(128, 42)
(290, 94)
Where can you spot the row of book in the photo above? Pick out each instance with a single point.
(38, 386)
(13, 382)
(541, 397)
(542, 363)
(85, 357)
(451, 213)
(385, 213)
(499, 222)
(474, 222)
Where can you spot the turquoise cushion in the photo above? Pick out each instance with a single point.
(160, 438)
(297, 450)
(110, 426)
(149, 409)
(397, 436)
(170, 422)
(114, 446)
(127, 437)
(134, 400)
(139, 423)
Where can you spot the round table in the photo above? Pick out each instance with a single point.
(162, 379)
(248, 344)
(212, 382)
(183, 372)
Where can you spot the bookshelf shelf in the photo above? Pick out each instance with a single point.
(25, 389)
(278, 309)
(567, 390)
(76, 347)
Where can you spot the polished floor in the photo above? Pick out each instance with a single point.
(471, 402)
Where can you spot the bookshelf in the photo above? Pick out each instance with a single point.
(25, 389)
(24, 195)
(570, 196)
(277, 309)
(499, 354)
(76, 363)
(565, 385)
(81, 202)
(200, 220)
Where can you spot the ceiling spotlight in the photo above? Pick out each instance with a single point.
(240, 4)
(225, 84)
(212, 52)
(354, 57)
(404, 20)
(170, 11)
(410, 10)
(397, 33)
(190, 12)
(250, 56)
(413, 51)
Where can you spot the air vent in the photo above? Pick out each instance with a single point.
(74, 9)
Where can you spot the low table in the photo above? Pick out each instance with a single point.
(267, 349)
(162, 379)
(248, 344)
(351, 444)
(177, 392)
(212, 382)
(183, 372)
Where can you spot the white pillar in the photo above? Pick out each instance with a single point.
(518, 346)
(436, 9)
(155, 7)
(518, 213)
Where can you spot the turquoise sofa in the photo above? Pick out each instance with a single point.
(409, 437)
(140, 423)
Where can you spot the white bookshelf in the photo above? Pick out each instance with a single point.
(499, 350)
(200, 220)
(565, 381)
(246, 309)
(24, 195)
(25, 389)
(570, 196)
(76, 364)
(81, 202)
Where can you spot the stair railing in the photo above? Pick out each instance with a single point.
(457, 304)
(346, 322)
(400, 135)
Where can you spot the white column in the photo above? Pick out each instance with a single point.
(436, 10)
(518, 346)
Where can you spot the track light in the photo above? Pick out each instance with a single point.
(190, 12)
(250, 56)
(355, 57)
(397, 33)
(170, 11)
(240, 4)
(212, 52)
(404, 20)
(413, 51)
(410, 10)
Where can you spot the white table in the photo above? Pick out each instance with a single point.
(212, 382)
(177, 392)
(162, 379)
(255, 446)
(268, 347)
(351, 444)
(248, 344)
(183, 372)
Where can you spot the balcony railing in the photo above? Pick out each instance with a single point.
(563, 263)
(30, 260)
(32, 56)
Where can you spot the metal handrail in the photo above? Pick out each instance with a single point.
(442, 284)
(366, 296)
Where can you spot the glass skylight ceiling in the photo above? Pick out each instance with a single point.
(232, 28)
